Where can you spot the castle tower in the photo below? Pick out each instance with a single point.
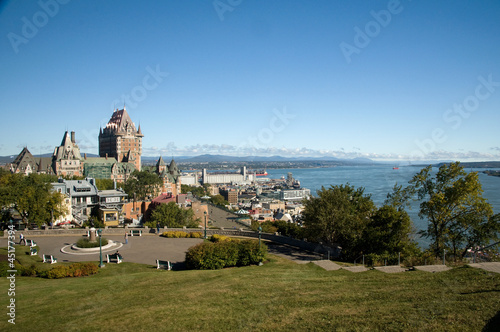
(121, 140)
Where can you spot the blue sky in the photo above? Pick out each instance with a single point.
(387, 80)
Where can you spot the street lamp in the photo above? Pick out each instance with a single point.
(205, 213)
(99, 231)
(260, 230)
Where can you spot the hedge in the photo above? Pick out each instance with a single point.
(218, 255)
(61, 271)
(181, 234)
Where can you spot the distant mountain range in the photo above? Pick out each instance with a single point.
(222, 158)
(216, 158)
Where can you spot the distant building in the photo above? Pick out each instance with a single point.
(294, 194)
(120, 139)
(241, 177)
(84, 197)
(230, 195)
(171, 177)
(66, 159)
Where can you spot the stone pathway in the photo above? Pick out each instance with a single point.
(327, 265)
(356, 269)
(390, 269)
(488, 266)
(433, 268)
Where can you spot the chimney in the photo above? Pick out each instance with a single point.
(73, 137)
(85, 156)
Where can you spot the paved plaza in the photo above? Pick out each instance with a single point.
(144, 249)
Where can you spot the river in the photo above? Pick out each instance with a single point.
(378, 181)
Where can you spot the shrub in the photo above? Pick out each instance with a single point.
(175, 234)
(85, 243)
(195, 235)
(220, 238)
(217, 255)
(250, 253)
(31, 271)
(202, 257)
(73, 270)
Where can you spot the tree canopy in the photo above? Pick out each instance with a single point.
(171, 215)
(142, 184)
(338, 216)
(451, 200)
(31, 196)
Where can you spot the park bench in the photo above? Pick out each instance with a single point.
(163, 264)
(135, 232)
(30, 243)
(114, 257)
(33, 251)
(49, 259)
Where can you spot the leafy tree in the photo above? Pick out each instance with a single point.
(196, 191)
(171, 215)
(338, 216)
(56, 206)
(105, 184)
(143, 184)
(388, 232)
(219, 200)
(267, 226)
(459, 217)
(31, 196)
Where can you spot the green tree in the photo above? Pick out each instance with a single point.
(388, 232)
(171, 215)
(219, 200)
(338, 216)
(199, 191)
(105, 184)
(142, 184)
(56, 206)
(459, 217)
(31, 196)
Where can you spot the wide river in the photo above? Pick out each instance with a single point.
(378, 181)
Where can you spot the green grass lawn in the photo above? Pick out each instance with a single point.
(279, 296)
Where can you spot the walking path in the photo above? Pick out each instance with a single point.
(222, 218)
(148, 248)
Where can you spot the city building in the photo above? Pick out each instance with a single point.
(239, 177)
(66, 159)
(85, 199)
(230, 195)
(171, 176)
(121, 140)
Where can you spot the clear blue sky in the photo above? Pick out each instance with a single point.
(256, 77)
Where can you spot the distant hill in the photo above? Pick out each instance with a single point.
(479, 164)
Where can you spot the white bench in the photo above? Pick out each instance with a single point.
(135, 232)
(30, 243)
(33, 251)
(114, 257)
(163, 264)
(49, 259)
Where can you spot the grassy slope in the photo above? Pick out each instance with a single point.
(280, 295)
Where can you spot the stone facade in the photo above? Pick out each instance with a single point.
(121, 140)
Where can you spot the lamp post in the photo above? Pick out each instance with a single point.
(205, 213)
(260, 230)
(99, 231)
